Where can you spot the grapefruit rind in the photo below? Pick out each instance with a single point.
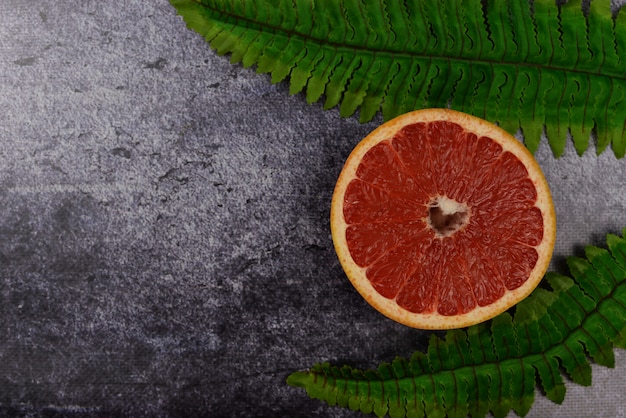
(435, 321)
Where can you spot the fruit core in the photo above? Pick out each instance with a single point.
(446, 216)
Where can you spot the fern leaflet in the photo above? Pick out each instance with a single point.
(494, 366)
(525, 64)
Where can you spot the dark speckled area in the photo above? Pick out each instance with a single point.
(164, 240)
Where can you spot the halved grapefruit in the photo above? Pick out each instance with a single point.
(442, 220)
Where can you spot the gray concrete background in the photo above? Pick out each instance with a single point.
(164, 241)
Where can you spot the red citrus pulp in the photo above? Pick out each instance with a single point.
(442, 220)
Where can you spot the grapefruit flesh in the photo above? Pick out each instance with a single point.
(442, 220)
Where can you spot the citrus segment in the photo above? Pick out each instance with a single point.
(442, 220)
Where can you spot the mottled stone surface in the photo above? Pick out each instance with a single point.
(164, 240)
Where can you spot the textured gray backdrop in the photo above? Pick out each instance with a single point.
(164, 241)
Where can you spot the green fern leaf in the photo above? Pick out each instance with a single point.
(493, 367)
(529, 65)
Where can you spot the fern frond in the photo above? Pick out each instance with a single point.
(529, 65)
(494, 366)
